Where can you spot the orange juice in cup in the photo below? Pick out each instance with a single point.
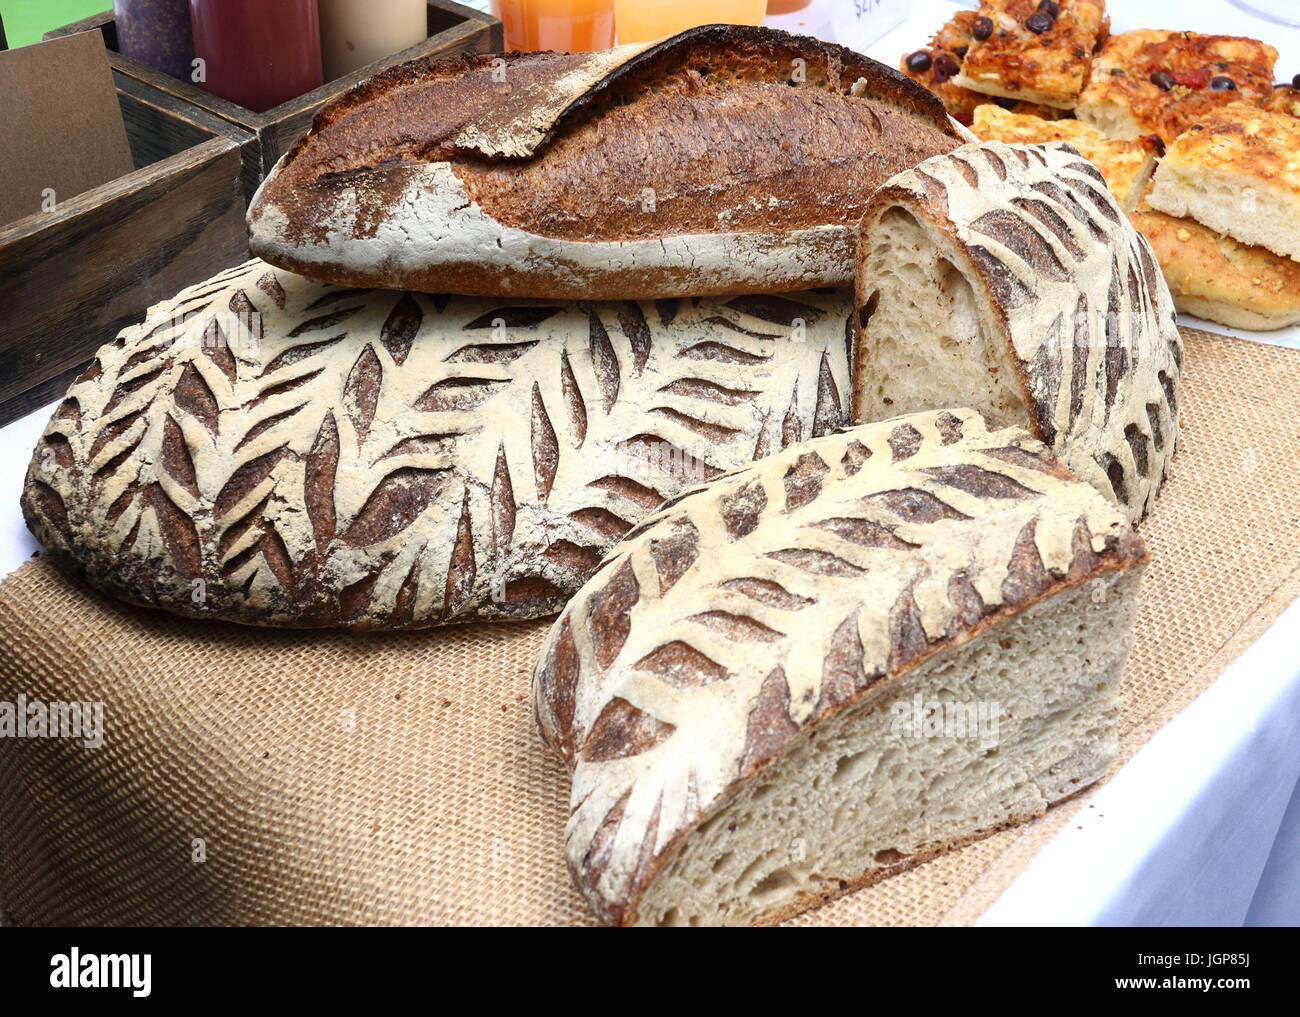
(568, 26)
(641, 20)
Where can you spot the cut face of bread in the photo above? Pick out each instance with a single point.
(1126, 164)
(1006, 277)
(820, 670)
(1123, 101)
(1215, 277)
(1031, 55)
(382, 459)
(1237, 170)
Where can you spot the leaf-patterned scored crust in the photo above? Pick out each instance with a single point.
(1077, 295)
(766, 600)
(385, 460)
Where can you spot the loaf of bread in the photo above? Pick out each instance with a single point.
(1006, 278)
(723, 160)
(274, 451)
(828, 666)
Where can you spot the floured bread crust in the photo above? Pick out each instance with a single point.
(1126, 164)
(1122, 101)
(1057, 289)
(1048, 66)
(739, 620)
(654, 170)
(384, 459)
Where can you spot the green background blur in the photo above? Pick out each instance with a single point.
(27, 20)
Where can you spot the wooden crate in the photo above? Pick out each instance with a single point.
(73, 277)
(453, 28)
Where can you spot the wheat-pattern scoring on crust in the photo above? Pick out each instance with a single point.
(388, 459)
(765, 601)
(1077, 295)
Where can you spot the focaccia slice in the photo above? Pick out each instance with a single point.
(1284, 99)
(936, 64)
(1237, 170)
(1036, 52)
(1219, 279)
(1126, 164)
(1161, 82)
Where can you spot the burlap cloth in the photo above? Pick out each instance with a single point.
(327, 777)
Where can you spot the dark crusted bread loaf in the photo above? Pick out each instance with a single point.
(1006, 278)
(723, 160)
(754, 693)
(382, 459)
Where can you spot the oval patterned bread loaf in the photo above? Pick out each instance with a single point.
(725, 159)
(827, 666)
(1005, 277)
(382, 459)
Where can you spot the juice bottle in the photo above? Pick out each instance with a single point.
(641, 20)
(567, 26)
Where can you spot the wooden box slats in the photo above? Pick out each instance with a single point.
(453, 28)
(73, 277)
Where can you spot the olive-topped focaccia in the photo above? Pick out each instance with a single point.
(1162, 82)
(1033, 50)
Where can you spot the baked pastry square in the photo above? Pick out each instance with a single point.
(1162, 82)
(1034, 51)
(935, 66)
(1237, 170)
(1284, 99)
(1219, 279)
(1126, 164)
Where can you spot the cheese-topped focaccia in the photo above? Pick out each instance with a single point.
(1237, 170)
(1162, 82)
(1220, 279)
(1284, 99)
(1035, 50)
(1126, 164)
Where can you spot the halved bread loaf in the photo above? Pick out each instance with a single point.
(274, 451)
(1005, 277)
(723, 160)
(823, 668)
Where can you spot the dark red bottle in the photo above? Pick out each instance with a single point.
(257, 53)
